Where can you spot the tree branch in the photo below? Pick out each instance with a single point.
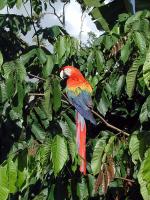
(54, 10)
(35, 94)
(63, 15)
(34, 76)
(125, 179)
(95, 113)
(81, 27)
(109, 125)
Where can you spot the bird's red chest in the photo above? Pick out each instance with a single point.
(78, 82)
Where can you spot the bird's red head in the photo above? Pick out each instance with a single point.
(69, 71)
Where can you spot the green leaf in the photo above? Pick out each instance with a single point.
(22, 172)
(145, 111)
(4, 192)
(140, 41)
(41, 55)
(143, 174)
(1, 59)
(56, 90)
(99, 61)
(67, 132)
(3, 92)
(109, 146)
(8, 68)
(98, 16)
(71, 125)
(146, 167)
(59, 153)
(3, 3)
(21, 71)
(3, 176)
(44, 153)
(92, 3)
(27, 56)
(131, 75)
(51, 193)
(38, 131)
(134, 147)
(146, 69)
(37, 6)
(120, 85)
(82, 190)
(11, 3)
(125, 51)
(91, 184)
(105, 101)
(10, 86)
(48, 67)
(47, 102)
(60, 49)
(18, 4)
(11, 175)
(97, 155)
(108, 41)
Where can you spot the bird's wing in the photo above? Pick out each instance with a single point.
(82, 102)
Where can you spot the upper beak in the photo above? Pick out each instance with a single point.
(63, 75)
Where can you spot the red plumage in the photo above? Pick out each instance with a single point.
(81, 141)
(79, 91)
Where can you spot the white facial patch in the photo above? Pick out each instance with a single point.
(62, 74)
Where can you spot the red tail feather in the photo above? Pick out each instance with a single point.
(81, 141)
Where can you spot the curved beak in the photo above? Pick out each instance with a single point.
(63, 75)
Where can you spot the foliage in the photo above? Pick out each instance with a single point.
(37, 127)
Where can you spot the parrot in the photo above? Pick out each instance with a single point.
(78, 91)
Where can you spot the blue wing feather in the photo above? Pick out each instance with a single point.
(82, 103)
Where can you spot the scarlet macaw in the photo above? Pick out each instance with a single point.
(79, 90)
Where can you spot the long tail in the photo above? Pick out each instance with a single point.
(81, 140)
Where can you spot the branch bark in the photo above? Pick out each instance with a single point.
(34, 76)
(109, 125)
(125, 179)
(95, 113)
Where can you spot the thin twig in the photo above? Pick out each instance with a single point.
(95, 113)
(54, 10)
(125, 179)
(34, 76)
(103, 120)
(109, 125)
(35, 94)
(81, 27)
(26, 9)
(63, 15)
(38, 41)
(66, 102)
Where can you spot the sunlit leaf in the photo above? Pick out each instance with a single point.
(97, 155)
(140, 41)
(56, 90)
(145, 111)
(125, 51)
(134, 147)
(146, 69)
(131, 75)
(59, 153)
(48, 67)
(82, 190)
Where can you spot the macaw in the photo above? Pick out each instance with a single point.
(78, 91)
